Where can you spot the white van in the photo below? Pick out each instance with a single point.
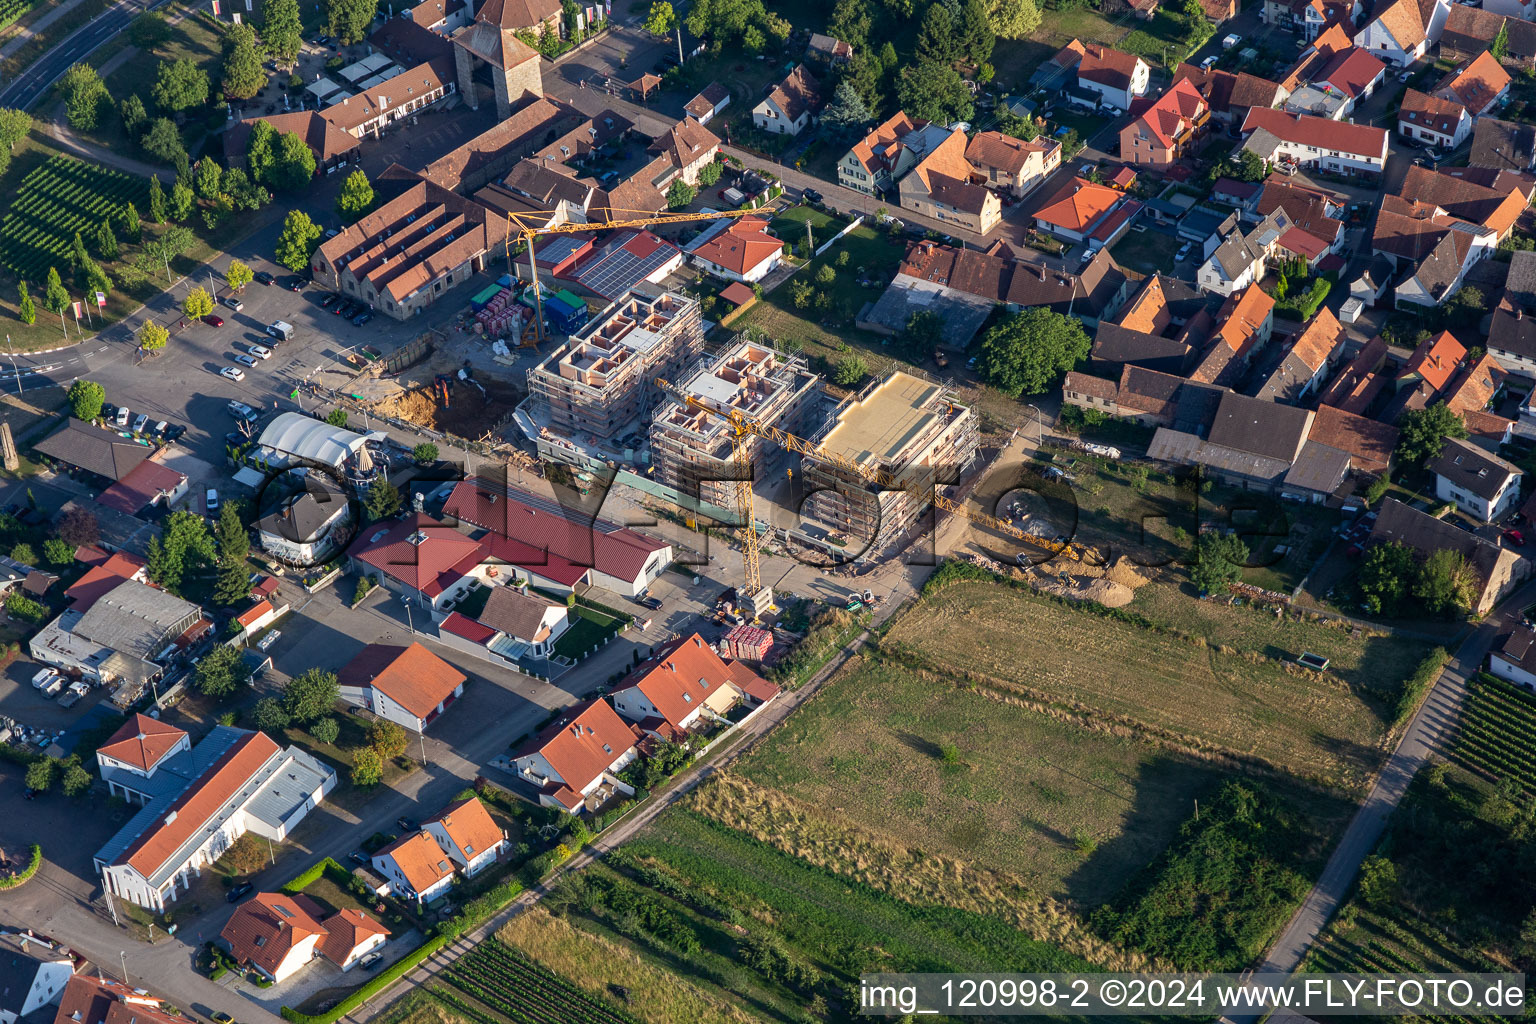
(122, 417)
(281, 330)
(43, 675)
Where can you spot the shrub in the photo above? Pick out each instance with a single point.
(34, 861)
(325, 730)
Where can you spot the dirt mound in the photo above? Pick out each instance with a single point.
(1101, 591)
(470, 412)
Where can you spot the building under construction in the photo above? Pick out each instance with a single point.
(691, 449)
(603, 379)
(905, 425)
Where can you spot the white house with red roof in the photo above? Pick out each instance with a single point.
(419, 558)
(557, 548)
(407, 685)
(737, 250)
(278, 935)
(416, 868)
(1159, 134)
(1083, 211)
(132, 755)
(1307, 141)
(197, 802)
(1343, 82)
(1115, 76)
(684, 683)
(469, 835)
(579, 756)
(90, 999)
(514, 624)
(1402, 31)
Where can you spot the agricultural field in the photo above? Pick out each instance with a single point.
(498, 978)
(1247, 706)
(1497, 733)
(53, 202)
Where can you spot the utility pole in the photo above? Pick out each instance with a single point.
(810, 244)
(679, 28)
(422, 736)
(122, 956)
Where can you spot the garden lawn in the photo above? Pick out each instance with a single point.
(1018, 643)
(1023, 793)
(1059, 27)
(589, 628)
(1149, 251)
(354, 734)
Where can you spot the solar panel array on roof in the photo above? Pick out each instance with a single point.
(620, 267)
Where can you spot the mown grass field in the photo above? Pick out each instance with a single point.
(1026, 793)
(1316, 728)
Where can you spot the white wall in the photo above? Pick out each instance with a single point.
(1511, 672)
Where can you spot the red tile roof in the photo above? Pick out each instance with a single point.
(412, 677)
(1436, 359)
(1306, 130)
(421, 861)
(1369, 442)
(265, 928)
(741, 248)
(678, 678)
(1478, 84)
(469, 629)
(574, 746)
(1106, 66)
(92, 1000)
(1303, 244)
(419, 552)
(469, 825)
(1173, 113)
(346, 930)
(1422, 110)
(144, 484)
(102, 578)
(1078, 205)
(1352, 71)
(254, 612)
(142, 741)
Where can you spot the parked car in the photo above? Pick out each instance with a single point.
(330, 299)
(213, 320)
(812, 196)
(297, 284)
(362, 318)
(220, 1017)
(43, 676)
(262, 277)
(653, 603)
(176, 430)
(1515, 537)
(108, 411)
(259, 351)
(239, 892)
(246, 360)
(407, 824)
(122, 416)
(140, 423)
(160, 428)
(358, 857)
(1208, 63)
(233, 303)
(371, 961)
(211, 501)
(233, 373)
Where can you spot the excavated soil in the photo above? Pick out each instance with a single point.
(470, 413)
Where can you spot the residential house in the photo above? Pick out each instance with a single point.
(149, 484)
(1230, 96)
(1359, 384)
(1011, 165)
(371, 112)
(466, 832)
(1310, 17)
(791, 104)
(1085, 212)
(682, 151)
(1468, 32)
(1311, 210)
(276, 935)
(1480, 483)
(1159, 135)
(37, 972)
(1478, 85)
(332, 147)
(514, 624)
(1369, 443)
(737, 250)
(684, 685)
(307, 527)
(410, 686)
(939, 186)
(1497, 570)
(97, 999)
(1503, 145)
(877, 160)
(1443, 124)
(829, 50)
(416, 868)
(577, 757)
(1308, 141)
(1402, 31)
(1345, 80)
(1246, 321)
(1116, 77)
(197, 802)
(1308, 362)
(711, 100)
(1252, 444)
(425, 562)
(103, 454)
(1512, 341)
(1239, 261)
(1513, 658)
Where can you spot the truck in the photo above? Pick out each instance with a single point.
(281, 330)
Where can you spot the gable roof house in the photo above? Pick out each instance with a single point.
(940, 186)
(1480, 483)
(101, 453)
(426, 562)
(1512, 341)
(887, 152)
(1308, 141)
(416, 868)
(1468, 32)
(1252, 444)
(514, 624)
(1085, 212)
(829, 49)
(574, 761)
(683, 684)
(1239, 261)
(1230, 96)
(737, 250)
(1346, 79)
(1308, 362)
(1311, 17)
(407, 685)
(1478, 85)
(332, 147)
(92, 999)
(35, 975)
(1498, 570)
(1013, 165)
(1402, 31)
(1442, 123)
(278, 934)
(198, 802)
(467, 833)
(1159, 135)
(1503, 146)
(712, 99)
(1116, 77)
(1369, 443)
(791, 104)
(1245, 321)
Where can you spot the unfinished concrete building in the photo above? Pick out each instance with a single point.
(909, 427)
(691, 450)
(604, 378)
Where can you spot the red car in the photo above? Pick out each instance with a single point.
(213, 320)
(1515, 537)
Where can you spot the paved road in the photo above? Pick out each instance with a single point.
(1429, 732)
(29, 86)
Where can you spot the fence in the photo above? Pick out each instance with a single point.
(858, 219)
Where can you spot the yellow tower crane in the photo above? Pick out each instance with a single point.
(519, 224)
(743, 426)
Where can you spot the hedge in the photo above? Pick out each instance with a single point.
(34, 862)
(1419, 684)
(481, 909)
(312, 874)
(386, 978)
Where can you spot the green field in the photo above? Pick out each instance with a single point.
(1247, 706)
(52, 203)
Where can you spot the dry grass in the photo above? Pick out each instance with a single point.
(420, 1008)
(914, 875)
(656, 996)
(1267, 714)
(1024, 792)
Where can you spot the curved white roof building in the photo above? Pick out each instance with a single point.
(298, 436)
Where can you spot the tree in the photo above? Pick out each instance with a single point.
(243, 75)
(1446, 584)
(54, 295)
(367, 767)
(78, 527)
(208, 177)
(661, 19)
(239, 275)
(680, 194)
(156, 200)
(1386, 573)
(825, 274)
(221, 672)
(849, 371)
(388, 738)
(269, 716)
(14, 126)
(1500, 42)
(310, 695)
(709, 174)
(76, 779)
(134, 115)
(349, 20)
(325, 730)
(86, 398)
(850, 22)
(934, 92)
(336, 417)
(184, 544)
(847, 109)
(923, 333)
(24, 554)
(234, 583)
(938, 38)
(245, 856)
(298, 242)
(182, 202)
(1013, 19)
(383, 500)
(244, 193)
(975, 29)
(282, 30)
(106, 241)
(356, 197)
(425, 452)
(57, 551)
(293, 165)
(1219, 560)
(1378, 881)
(84, 96)
(1029, 352)
(149, 30)
(153, 337)
(261, 152)
(198, 303)
(26, 310)
(180, 84)
(40, 774)
(1422, 433)
(1246, 165)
